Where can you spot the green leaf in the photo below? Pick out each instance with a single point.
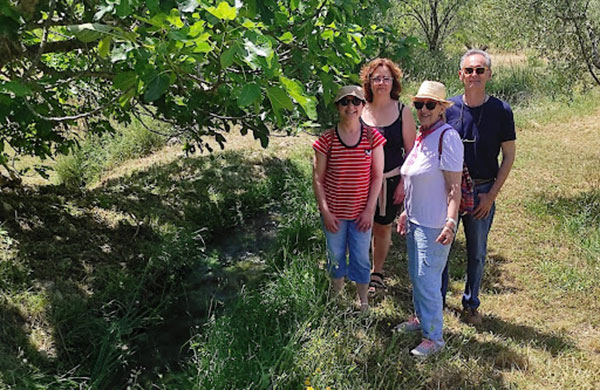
(287, 37)
(89, 32)
(202, 47)
(279, 98)
(294, 4)
(294, 89)
(228, 56)
(153, 6)
(125, 98)
(125, 80)
(156, 88)
(174, 18)
(223, 11)
(249, 94)
(178, 35)
(16, 87)
(197, 28)
(104, 46)
(328, 35)
(123, 9)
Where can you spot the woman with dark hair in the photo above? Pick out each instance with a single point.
(381, 79)
(347, 175)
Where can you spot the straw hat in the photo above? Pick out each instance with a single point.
(349, 90)
(433, 90)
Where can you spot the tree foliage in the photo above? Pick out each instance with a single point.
(436, 20)
(203, 66)
(568, 32)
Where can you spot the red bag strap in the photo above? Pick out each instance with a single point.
(440, 143)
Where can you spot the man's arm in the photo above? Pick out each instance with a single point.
(487, 200)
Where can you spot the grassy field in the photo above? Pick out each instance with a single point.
(206, 272)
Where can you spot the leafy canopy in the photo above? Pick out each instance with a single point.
(203, 66)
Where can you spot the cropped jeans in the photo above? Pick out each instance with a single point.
(476, 234)
(426, 261)
(348, 240)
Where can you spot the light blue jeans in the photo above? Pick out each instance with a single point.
(348, 240)
(426, 261)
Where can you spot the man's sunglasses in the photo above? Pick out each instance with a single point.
(430, 105)
(345, 101)
(479, 70)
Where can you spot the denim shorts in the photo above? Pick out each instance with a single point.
(348, 252)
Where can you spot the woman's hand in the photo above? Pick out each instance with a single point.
(331, 222)
(401, 224)
(365, 220)
(399, 192)
(446, 236)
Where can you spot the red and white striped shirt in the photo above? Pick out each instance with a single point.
(348, 174)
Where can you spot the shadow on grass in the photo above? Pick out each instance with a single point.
(493, 281)
(452, 369)
(140, 257)
(17, 353)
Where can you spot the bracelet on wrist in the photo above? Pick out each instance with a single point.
(454, 223)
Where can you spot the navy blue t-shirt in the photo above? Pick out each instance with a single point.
(483, 129)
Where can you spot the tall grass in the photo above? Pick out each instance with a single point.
(98, 154)
(518, 84)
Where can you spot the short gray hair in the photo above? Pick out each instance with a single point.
(472, 52)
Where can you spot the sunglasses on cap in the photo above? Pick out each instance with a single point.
(430, 105)
(479, 70)
(346, 100)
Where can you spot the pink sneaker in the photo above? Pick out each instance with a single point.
(427, 348)
(408, 326)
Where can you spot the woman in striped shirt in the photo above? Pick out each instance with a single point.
(347, 175)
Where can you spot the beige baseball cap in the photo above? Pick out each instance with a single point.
(349, 90)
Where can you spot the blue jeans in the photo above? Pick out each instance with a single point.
(476, 233)
(348, 240)
(426, 261)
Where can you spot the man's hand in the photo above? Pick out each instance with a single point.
(485, 205)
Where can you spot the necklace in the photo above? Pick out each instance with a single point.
(478, 124)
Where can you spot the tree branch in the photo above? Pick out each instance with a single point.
(7, 55)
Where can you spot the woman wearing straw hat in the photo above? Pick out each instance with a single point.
(347, 174)
(382, 84)
(432, 175)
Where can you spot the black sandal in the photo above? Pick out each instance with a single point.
(376, 284)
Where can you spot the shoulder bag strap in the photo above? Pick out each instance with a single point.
(440, 143)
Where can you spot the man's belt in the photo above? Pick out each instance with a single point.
(482, 181)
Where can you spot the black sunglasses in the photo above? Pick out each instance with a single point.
(470, 70)
(430, 105)
(345, 100)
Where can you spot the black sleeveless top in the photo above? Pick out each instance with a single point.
(394, 147)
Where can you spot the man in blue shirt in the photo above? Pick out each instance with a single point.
(486, 126)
